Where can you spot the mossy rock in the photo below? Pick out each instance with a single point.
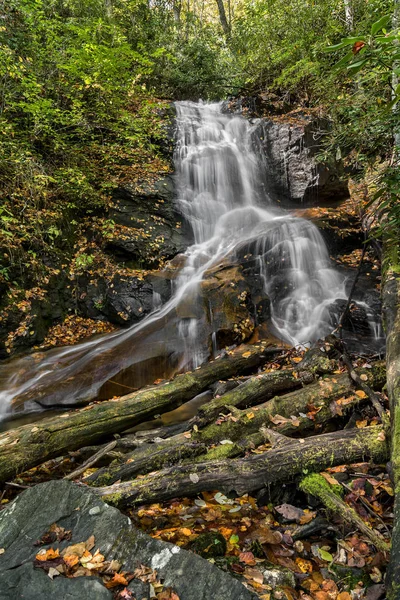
(209, 545)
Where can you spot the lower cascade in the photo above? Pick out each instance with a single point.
(222, 195)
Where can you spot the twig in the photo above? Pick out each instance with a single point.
(365, 388)
(92, 460)
(17, 485)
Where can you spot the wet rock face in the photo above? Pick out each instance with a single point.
(227, 303)
(292, 171)
(77, 509)
(234, 303)
(122, 300)
(151, 231)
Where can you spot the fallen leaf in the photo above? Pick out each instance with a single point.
(360, 394)
(194, 478)
(71, 560)
(289, 512)
(247, 558)
(254, 574)
(49, 554)
(118, 579)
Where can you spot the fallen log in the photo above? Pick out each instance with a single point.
(27, 446)
(391, 312)
(241, 427)
(267, 385)
(317, 486)
(250, 474)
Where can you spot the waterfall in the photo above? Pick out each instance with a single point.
(221, 194)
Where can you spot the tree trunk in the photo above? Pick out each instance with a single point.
(348, 14)
(27, 446)
(391, 310)
(247, 475)
(222, 18)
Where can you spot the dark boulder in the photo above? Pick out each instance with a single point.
(78, 509)
(149, 228)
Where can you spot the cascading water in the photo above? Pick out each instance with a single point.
(222, 196)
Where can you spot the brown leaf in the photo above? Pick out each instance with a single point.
(358, 46)
(290, 512)
(167, 594)
(247, 558)
(253, 574)
(118, 579)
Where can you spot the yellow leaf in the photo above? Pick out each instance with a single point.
(360, 394)
(246, 354)
(185, 531)
(305, 566)
(362, 424)
(297, 359)
(250, 415)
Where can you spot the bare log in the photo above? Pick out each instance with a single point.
(254, 472)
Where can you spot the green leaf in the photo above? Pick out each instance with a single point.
(357, 66)
(325, 555)
(380, 24)
(345, 42)
(346, 59)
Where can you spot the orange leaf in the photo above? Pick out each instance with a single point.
(185, 531)
(246, 354)
(360, 394)
(49, 554)
(71, 560)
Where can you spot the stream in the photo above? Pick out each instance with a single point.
(222, 194)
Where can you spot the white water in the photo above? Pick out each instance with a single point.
(221, 194)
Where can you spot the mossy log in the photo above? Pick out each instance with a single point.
(252, 473)
(28, 446)
(241, 430)
(267, 385)
(317, 486)
(391, 311)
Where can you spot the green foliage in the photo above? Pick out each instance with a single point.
(374, 57)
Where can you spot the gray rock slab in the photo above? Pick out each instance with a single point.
(78, 509)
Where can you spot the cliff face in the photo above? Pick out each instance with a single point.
(293, 170)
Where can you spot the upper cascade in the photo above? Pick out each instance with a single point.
(221, 192)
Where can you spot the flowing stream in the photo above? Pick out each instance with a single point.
(222, 195)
